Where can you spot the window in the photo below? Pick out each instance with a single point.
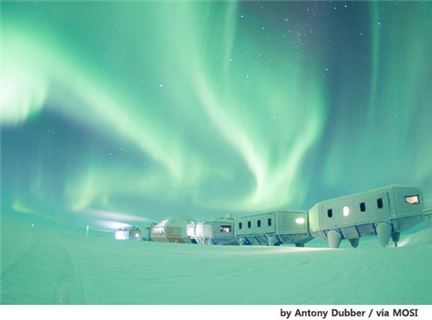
(249, 224)
(240, 225)
(300, 220)
(346, 211)
(329, 213)
(225, 229)
(412, 199)
(259, 223)
(362, 207)
(269, 222)
(380, 203)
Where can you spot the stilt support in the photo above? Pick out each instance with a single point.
(354, 242)
(383, 230)
(270, 241)
(333, 239)
(395, 237)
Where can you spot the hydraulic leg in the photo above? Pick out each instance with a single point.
(354, 242)
(384, 230)
(395, 236)
(333, 239)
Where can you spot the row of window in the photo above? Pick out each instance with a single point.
(346, 210)
(413, 200)
(249, 223)
(158, 230)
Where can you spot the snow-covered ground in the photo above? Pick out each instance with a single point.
(43, 265)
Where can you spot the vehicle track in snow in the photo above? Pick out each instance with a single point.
(81, 288)
(40, 262)
(8, 261)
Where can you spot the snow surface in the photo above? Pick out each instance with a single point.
(44, 265)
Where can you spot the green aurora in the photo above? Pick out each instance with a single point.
(134, 111)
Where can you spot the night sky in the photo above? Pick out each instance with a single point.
(132, 112)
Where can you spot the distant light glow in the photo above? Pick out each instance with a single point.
(346, 211)
(122, 234)
(112, 225)
(300, 220)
